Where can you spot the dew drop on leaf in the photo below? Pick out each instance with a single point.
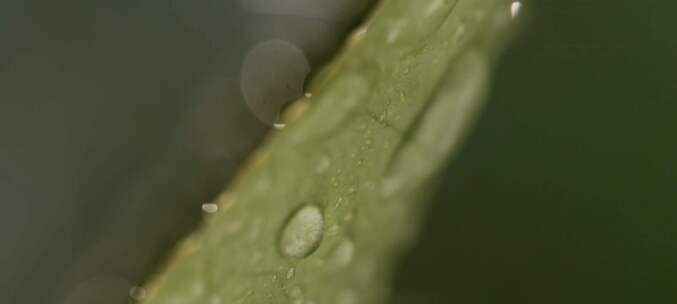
(302, 233)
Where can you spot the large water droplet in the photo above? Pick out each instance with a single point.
(303, 232)
(272, 75)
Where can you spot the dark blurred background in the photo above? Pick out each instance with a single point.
(566, 191)
(119, 119)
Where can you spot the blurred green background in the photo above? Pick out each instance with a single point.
(113, 136)
(566, 191)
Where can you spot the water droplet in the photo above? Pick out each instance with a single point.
(210, 207)
(323, 164)
(347, 297)
(343, 253)
(137, 293)
(333, 230)
(460, 33)
(198, 288)
(215, 300)
(279, 126)
(254, 231)
(302, 233)
(232, 227)
(256, 258)
(394, 31)
(382, 117)
(339, 201)
(295, 292)
(433, 6)
(272, 75)
(290, 273)
(515, 8)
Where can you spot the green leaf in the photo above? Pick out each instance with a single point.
(326, 206)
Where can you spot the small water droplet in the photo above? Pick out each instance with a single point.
(137, 293)
(323, 164)
(255, 229)
(215, 300)
(515, 8)
(460, 33)
(339, 201)
(382, 117)
(394, 31)
(290, 273)
(295, 292)
(198, 288)
(232, 227)
(210, 207)
(256, 258)
(347, 297)
(303, 232)
(333, 230)
(343, 253)
(279, 126)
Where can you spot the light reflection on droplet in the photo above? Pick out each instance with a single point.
(303, 232)
(279, 126)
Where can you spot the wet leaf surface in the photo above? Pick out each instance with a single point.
(327, 205)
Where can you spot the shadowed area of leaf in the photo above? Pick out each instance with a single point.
(322, 211)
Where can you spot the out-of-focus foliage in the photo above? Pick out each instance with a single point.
(324, 209)
(566, 190)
